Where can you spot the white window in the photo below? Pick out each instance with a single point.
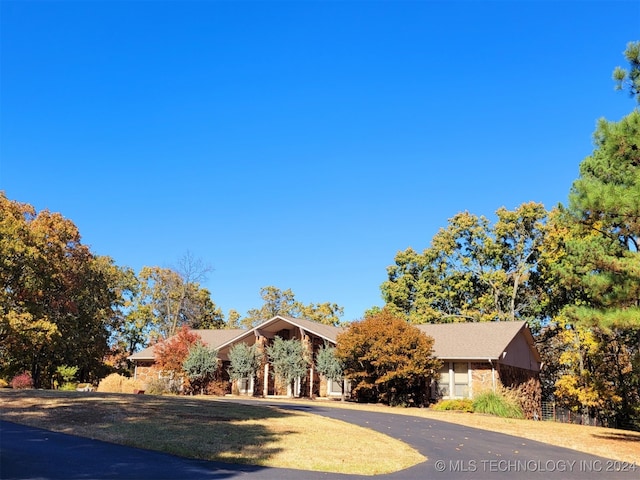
(453, 381)
(461, 379)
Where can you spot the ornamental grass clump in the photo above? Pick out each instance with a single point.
(501, 404)
(116, 383)
(159, 386)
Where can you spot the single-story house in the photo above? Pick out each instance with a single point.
(476, 356)
(483, 356)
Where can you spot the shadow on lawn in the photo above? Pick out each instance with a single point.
(625, 437)
(184, 426)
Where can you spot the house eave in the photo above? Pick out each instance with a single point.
(133, 358)
(471, 359)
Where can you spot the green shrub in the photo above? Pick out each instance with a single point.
(200, 366)
(67, 373)
(500, 404)
(459, 404)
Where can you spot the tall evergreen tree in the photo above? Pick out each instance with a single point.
(630, 78)
(600, 266)
(605, 203)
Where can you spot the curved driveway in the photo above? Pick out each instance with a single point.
(453, 452)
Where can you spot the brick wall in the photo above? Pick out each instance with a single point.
(481, 378)
(146, 371)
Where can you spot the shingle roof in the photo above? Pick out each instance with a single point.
(480, 341)
(212, 338)
(219, 338)
(215, 338)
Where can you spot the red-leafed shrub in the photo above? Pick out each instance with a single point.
(22, 381)
(171, 354)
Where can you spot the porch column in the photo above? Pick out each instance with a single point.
(311, 382)
(265, 388)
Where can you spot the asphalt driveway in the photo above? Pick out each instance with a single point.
(459, 452)
(453, 452)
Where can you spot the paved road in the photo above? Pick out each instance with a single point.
(453, 451)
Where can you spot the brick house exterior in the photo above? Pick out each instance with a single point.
(476, 357)
(486, 356)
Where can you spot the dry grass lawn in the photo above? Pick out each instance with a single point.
(205, 428)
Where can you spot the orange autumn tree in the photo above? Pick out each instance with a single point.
(387, 360)
(171, 353)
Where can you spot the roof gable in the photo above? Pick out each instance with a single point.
(328, 332)
(277, 323)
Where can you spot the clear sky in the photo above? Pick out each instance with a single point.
(298, 144)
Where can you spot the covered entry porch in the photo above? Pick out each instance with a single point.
(311, 334)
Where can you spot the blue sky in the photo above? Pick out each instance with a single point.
(298, 144)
